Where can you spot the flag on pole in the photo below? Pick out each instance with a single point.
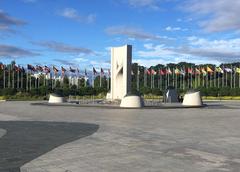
(228, 70)
(237, 70)
(31, 67)
(190, 70)
(182, 72)
(39, 68)
(72, 70)
(2, 66)
(153, 72)
(94, 71)
(219, 70)
(204, 72)
(209, 70)
(169, 71)
(47, 69)
(162, 72)
(55, 70)
(177, 71)
(63, 70)
(197, 71)
(149, 71)
(102, 71)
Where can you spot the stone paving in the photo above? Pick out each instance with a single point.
(158, 140)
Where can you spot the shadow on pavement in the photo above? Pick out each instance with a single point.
(27, 140)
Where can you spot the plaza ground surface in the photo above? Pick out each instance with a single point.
(75, 139)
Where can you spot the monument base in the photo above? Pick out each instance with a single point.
(54, 98)
(132, 102)
(192, 98)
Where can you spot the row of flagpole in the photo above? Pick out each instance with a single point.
(191, 77)
(180, 78)
(34, 74)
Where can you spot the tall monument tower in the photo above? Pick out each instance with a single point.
(121, 60)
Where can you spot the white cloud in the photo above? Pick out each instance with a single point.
(216, 15)
(133, 33)
(144, 3)
(197, 50)
(72, 14)
(171, 29)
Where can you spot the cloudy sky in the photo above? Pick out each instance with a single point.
(80, 32)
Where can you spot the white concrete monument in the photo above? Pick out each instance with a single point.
(121, 60)
(121, 67)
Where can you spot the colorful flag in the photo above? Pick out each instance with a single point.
(190, 70)
(182, 72)
(228, 70)
(63, 70)
(177, 71)
(23, 70)
(197, 71)
(237, 70)
(72, 70)
(169, 71)
(39, 68)
(149, 71)
(153, 72)
(94, 71)
(102, 71)
(55, 70)
(204, 72)
(219, 70)
(162, 72)
(31, 67)
(47, 69)
(209, 70)
(2, 66)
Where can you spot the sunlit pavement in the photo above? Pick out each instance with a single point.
(75, 139)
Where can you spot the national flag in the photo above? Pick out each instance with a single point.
(153, 72)
(219, 70)
(31, 67)
(23, 70)
(149, 71)
(168, 71)
(197, 71)
(55, 70)
(237, 70)
(17, 68)
(162, 72)
(2, 66)
(182, 72)
(204, 72)
(63, 70)
(229, 70)
(190, 70)
(209, 70)
(47, 69)
(39, 68)
(94, 71)
(72, 70)
(102, 71)
(177, 71)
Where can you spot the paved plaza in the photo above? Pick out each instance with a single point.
(81, 139)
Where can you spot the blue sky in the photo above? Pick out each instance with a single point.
(79, 33)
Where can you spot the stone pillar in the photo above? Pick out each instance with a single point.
(121, 60)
